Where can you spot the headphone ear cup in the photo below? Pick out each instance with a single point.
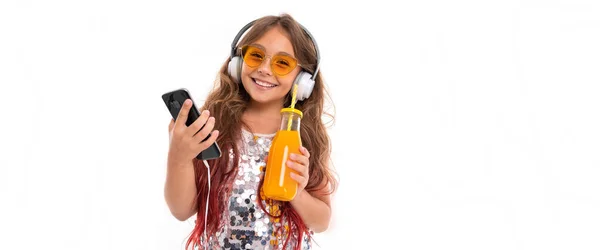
(234, 68)
(305, 85)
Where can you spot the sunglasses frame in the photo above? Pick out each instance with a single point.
(271, 64)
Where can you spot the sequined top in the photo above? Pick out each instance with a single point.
(246, 226)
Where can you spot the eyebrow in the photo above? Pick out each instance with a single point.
(263, 48)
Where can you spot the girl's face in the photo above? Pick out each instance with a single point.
(264, 85)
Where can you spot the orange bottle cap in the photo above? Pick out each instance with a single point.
(292, 110)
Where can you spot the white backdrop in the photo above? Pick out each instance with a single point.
(460, 124)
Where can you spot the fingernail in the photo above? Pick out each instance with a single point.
(187, 101)
(293, 156)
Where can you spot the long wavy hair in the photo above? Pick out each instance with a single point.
(227, 102)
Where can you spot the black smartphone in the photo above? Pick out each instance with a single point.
(174, 101)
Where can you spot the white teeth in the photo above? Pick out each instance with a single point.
(264, 84)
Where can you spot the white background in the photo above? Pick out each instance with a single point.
(460, 124)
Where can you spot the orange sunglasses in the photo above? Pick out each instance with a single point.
(281, 64)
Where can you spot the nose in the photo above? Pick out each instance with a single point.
(264, 67)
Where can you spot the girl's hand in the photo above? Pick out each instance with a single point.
(185, 143)
(300, 163)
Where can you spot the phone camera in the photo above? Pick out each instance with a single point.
(175, 104)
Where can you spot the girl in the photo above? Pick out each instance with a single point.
(244, 111)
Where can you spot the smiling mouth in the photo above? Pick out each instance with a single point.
(263, 84)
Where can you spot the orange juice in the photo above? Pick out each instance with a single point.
(278, 184)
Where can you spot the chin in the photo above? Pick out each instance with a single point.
(265, 100)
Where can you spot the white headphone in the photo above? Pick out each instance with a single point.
(305, 80)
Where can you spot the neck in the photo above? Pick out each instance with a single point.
(263, 118)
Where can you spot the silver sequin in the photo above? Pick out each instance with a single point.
(246, 226)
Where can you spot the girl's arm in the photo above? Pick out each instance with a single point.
(180, 190)
(314, 209)
(185, 143)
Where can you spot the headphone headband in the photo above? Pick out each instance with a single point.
(247, 26)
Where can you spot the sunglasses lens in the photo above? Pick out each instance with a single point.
(253, 56)
(282, 64)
